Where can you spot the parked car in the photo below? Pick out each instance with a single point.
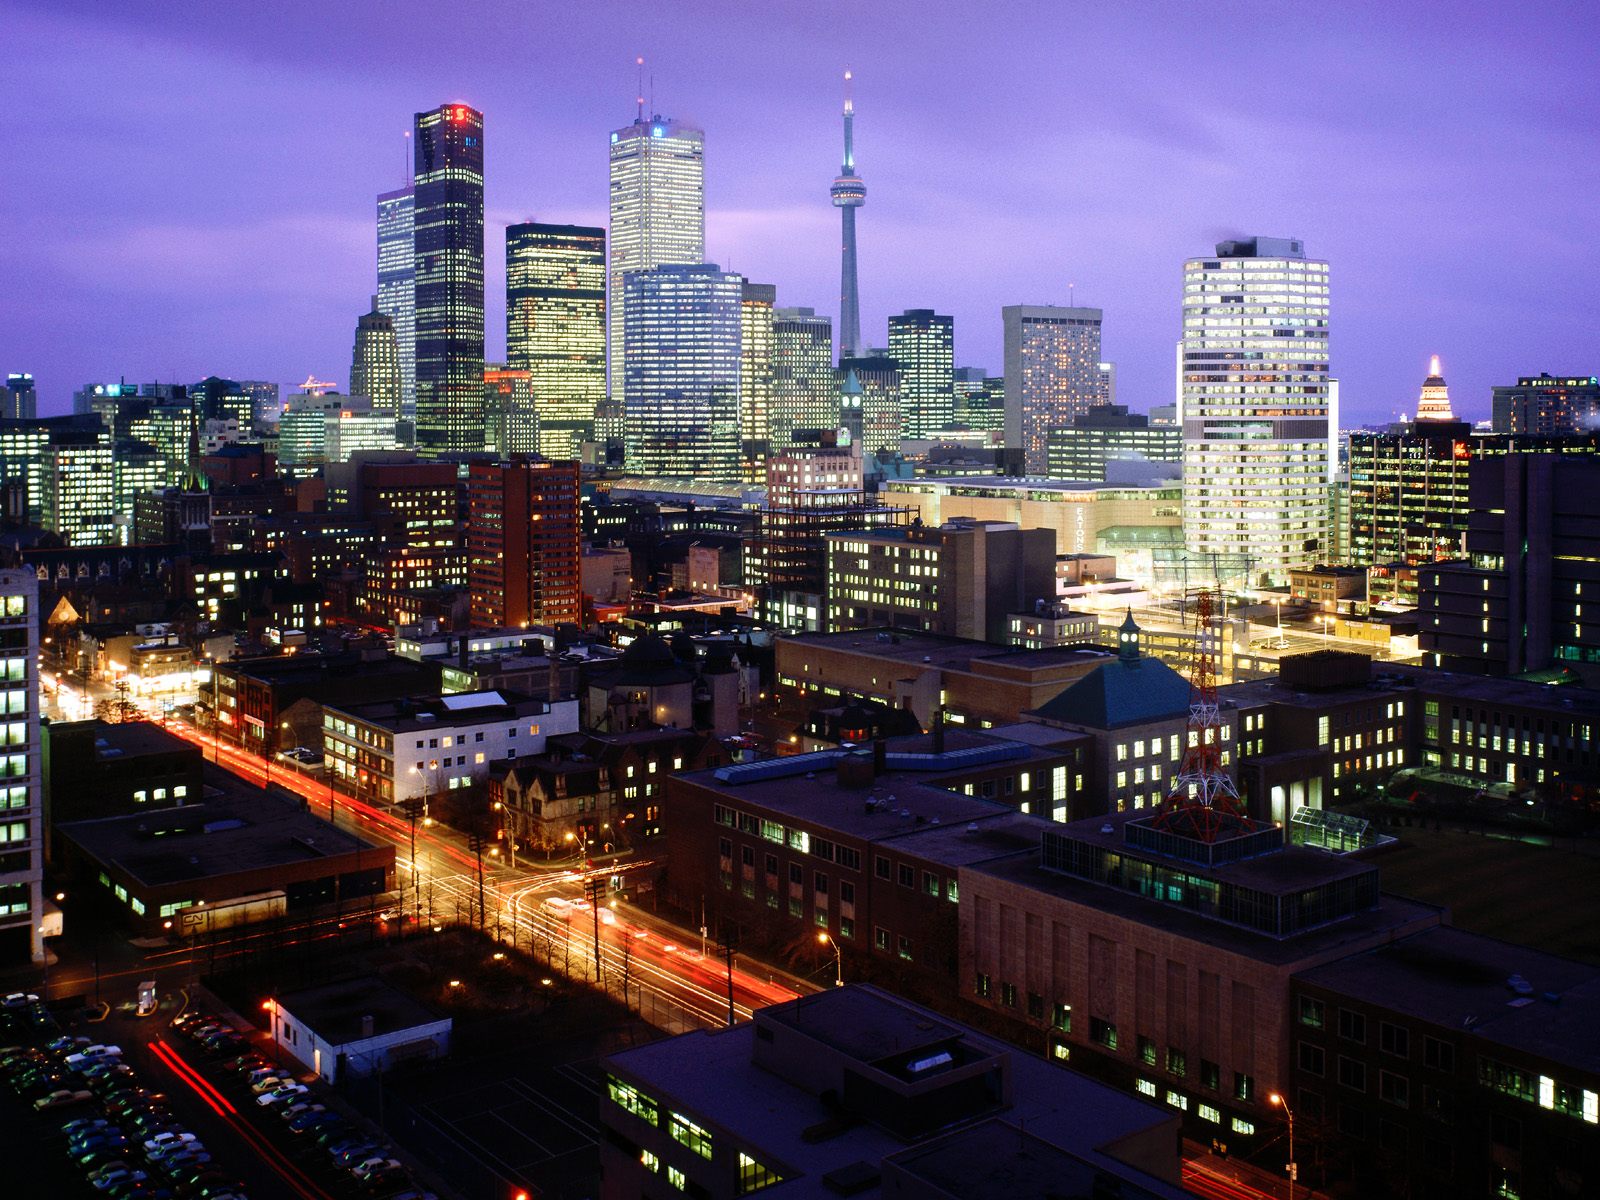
(169, 1139)
(281, 1094)
(61, 1098)
(89, 1053)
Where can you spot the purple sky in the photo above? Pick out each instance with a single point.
(190, 184)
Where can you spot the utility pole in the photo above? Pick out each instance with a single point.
(413, 809)
(727, 942)
(477, 838)
(594, 887)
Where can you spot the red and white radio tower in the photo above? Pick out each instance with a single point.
(1203, 802)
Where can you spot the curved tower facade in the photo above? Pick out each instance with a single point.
(849, 194)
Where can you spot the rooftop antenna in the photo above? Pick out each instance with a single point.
(1071, 295)
(405, 172)
(639, 96)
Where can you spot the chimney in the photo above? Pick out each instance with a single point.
(880, 755)
(366, 1027)
(462, 649)
(938, 731)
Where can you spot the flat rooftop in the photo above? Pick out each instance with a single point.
(220, 837)
(711, 1075)
(1488, 689)
(432, 712)
(941, 650)
(1015, 483)
(1283, 872)
(999, 1160)
(123, 739)
(1464, 981)
(1393, 913)
(335, 1010)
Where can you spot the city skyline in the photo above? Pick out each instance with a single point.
(256, 277)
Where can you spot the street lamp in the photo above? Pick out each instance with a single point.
(838, 960)
(1293, 1169)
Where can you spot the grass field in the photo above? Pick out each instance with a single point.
(1541, 896)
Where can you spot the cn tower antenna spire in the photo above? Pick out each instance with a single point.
(848, 194)
(639, 95)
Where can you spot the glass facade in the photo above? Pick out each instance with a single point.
(682, 348)
(1256, 407)
(556, 327)
(375, 362)
(396, 284)
(448, 264)
(804, 393)
(923, 343)
(1052, 375)
(755, 379)
(657, 214)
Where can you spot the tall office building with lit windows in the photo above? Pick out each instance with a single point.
(681, 344)
(397, 285)
(658, 212)
(447, 240)
(22, 925)
(20, 399)
(755, 379)
(805, 394)
(923, 343)
(556, 327)
(1052, 375)
(1255, 390)
(375, 362)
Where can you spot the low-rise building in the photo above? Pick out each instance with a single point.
(854, 1092)
(1328, 589)
(974, 682)
(1164, 963)
(356, 1027)
(1454, 1063)
(233, 859)
(104, 769)
(417, 748)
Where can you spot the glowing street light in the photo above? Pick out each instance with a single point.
(838, 959)
(1293, 1169)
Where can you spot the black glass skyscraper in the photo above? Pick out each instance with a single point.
(448, 249)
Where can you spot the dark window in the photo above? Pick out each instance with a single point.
(1177, 1062)
(1352, 1122)
(1008, 994)
(880, 937)
(1061, 1017)
(982, 987)
(797, 874)
(1505, 1131)
(1312, 1012)
(772, 864)
(1394, 1089)
(908, 875)
(1394, 1039)
(930, 883)
(1103, 1033)
(880, 867)
(1353, 1073)
(1147, 1051)
(1036, 1006)
(1210, 1075)
(1312, 1059)
(1437, 1055)
(1244, 1086)
(905, 947)
(1352, 1026)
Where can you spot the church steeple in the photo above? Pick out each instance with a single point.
(1128, 639)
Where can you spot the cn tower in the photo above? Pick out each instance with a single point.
(849, 194)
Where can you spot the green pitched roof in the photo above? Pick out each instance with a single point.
(1122, 692)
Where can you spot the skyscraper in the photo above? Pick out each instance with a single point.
(1434, 403)
(22, 864)
(923, 343)
(1255, 407)
(658, 212)
(556, 327)
(511, 412)
(848, 194)
(755, 378)
(448, 264)
(397, 284)
(1052, 374)
(375, 362)
(522, 542)
(681, 346)
(1548, 404)
(21, 398)
(805, 394)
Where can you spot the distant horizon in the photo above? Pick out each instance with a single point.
(228, 227)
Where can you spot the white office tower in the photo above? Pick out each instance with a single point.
(658, 213)
(1255, 409)
(681, 342)
(22, 914)
(396, 285)
(1052, 374)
